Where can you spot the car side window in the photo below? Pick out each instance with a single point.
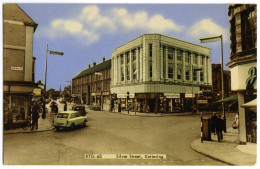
(77, 114)
(72, 116)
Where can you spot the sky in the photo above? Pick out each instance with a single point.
(88, 32)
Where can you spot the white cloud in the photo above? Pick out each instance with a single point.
(141, 20)
(90, 24)
(206, 27)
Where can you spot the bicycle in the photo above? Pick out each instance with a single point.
(28, 124)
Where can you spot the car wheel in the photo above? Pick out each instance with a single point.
(85, 123)
(57, 128)
(72, 126)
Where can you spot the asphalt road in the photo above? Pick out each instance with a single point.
(111, 133)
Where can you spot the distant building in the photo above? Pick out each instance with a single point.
(92, 85)
(243, 65)
(156, 69)
(18, 61)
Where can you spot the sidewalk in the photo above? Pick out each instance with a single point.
(43, 125)
(154, 114)
(228, 150)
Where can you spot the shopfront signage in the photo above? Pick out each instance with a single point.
(189, 95)
(124, 96)
(172, 95)
(16, 68)
(244, 77)
(251, 80)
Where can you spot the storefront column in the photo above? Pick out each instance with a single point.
(242, 118)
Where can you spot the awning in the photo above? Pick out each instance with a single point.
(230, 98)
(252, 103)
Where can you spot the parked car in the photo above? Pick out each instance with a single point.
(69, 119)
(95, 106)
(80, 108)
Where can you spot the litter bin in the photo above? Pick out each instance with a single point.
(206, 123)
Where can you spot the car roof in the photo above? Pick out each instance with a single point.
(69, 112)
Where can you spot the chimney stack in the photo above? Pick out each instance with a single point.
(94, 63)
(104, 59)
(88, 65)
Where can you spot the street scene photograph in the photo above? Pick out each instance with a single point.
(129, 84)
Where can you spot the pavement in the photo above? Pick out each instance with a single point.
(228, 150)
(43, 125)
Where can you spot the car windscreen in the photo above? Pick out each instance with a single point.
(63, 115)
(79, 108)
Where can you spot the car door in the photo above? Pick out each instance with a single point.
(77, 119)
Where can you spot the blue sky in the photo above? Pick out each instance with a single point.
(89, 32)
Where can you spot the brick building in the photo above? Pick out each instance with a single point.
(92, 85)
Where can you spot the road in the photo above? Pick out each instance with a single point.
(111, 133)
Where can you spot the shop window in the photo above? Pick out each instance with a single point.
(171, 52)
(187, 57)
(150, 50)
(151, 70)
(179, 71)
(122, 74)
(187, 74)
(134, 55)
(194, 75)
(202, 60)
(127, 57)
(195, 59)
(179, 55)
(233, 35)
(122, 59)
(201, 76)
(248, 29)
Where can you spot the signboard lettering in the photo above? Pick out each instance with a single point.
(16, 68)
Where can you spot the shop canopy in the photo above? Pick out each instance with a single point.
(230, 98)
(252, 103)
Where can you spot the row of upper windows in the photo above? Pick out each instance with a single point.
(171, 55)
(92, 77)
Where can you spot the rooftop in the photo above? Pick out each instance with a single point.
(103, 65)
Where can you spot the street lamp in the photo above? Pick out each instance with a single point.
(213, 39)
(70, 88)
(53, 53)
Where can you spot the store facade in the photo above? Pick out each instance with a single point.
(159, 73)
(18, 63)
(243, 66)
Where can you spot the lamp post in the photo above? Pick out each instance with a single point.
(45, 79)
(101, 99)
(70, 88)
(213, 39)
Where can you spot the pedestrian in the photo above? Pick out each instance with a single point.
(65, 106)
(219, 128)
(10, 118)
(213, 120)
(35, 115)
(236, 120)
(119, 106)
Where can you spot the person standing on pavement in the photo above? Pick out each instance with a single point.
(236, 120)
(213, 120)
(219, 128)
(65, 106)
(35, 115)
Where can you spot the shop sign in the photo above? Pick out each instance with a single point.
(189, 95)
(93, 94)
(106, 93)
(244, 77)
(16, 68)
(124, 96)
(172, 95)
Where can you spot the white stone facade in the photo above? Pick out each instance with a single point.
(154, 63)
